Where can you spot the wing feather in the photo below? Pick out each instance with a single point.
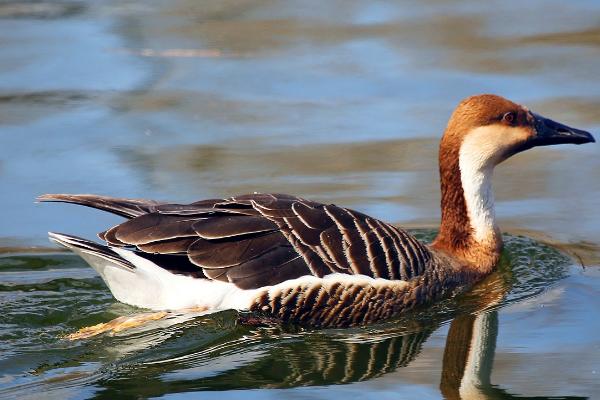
(154, 227)
(223, 254)
(229, 226)
(306, 234)
(258, 240)
(312, 217)
(332, 241)
(170, 246)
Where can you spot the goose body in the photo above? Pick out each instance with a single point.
(317, 264)
(287, 257)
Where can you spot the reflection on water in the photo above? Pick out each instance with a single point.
(191, 352)
(341, 101)
(469, 357)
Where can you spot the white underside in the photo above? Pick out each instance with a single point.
(150, 286)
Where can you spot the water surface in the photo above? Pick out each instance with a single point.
(341, 102)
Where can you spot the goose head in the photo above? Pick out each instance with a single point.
(483, 131)
(494, 128)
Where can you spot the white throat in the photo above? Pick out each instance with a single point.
(476, 171)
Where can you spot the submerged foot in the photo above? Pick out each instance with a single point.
(117, 325)
(120, 324)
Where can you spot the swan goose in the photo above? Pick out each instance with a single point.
(316, 264)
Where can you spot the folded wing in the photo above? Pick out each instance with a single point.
(260, 240)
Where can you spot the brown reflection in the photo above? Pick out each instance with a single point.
(584, 110)
(198, 106)
(22, 107)
(40, 10)
(348, 171)
(449, 37)
(586, 37)
(321, 159)
(248, 166)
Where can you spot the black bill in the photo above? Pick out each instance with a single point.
(551, 132)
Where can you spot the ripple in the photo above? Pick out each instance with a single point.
(188, 352)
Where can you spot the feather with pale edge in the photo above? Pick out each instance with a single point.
(259, 240)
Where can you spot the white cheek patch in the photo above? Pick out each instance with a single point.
(481, 150)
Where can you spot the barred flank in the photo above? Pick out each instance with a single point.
(326, 303)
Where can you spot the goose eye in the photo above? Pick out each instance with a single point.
(509, 117)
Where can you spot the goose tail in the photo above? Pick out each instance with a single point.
(131, 279)
(98, 256)
(128, 208)
(137, 280)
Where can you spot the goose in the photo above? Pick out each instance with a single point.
(320, 265)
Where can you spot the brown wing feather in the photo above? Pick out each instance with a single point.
(170, 246)
(155, 227)
(230, 226)
(276, 266)
(258, 240)
(223, 254)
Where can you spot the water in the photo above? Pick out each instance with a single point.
(341, 102)
(185, 353)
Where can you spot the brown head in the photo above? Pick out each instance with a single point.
(483, 131)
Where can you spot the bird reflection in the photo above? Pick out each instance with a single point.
(250, 357)
(468, 356)
(468, 360)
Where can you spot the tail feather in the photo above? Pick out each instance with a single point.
(128, 208)
(120, 275)
(134, 278)
(80, 245)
